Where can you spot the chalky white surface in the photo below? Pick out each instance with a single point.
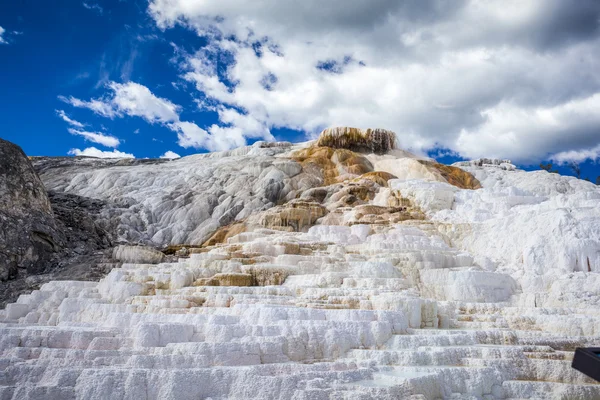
(187, 199)
(486, 300)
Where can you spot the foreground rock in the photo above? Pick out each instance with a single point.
(44, 236)
(29, 237)
(327, 272)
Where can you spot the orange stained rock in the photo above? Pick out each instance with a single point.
(294, 216)
(379, 177)
(224, 233)
(454, 176)
(233, 279)
(333, 163)
(355, 139)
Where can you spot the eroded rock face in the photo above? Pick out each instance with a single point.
(189, 200)
(182, 201)
(29, 234)
(45, 236)
(78, 218)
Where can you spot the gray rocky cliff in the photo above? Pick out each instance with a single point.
(45, 235)
(30, 235)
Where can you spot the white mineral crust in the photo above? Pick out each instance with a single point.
(486, 298)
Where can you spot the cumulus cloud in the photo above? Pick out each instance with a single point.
(94, 152)
(525, 133)
(170, 155)
(130, 99)
(576, 156)
(136, 100)
(100, 138)
(513, 79)
(68, 120)
(2, 40)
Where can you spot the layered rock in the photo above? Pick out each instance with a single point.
(332, 165)
(327, 274)
(187, 201)
(335, 311)
(537, 226)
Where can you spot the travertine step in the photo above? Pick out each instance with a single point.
(343, 323)
(548, 390)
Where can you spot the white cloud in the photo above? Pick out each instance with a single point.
(136, 100)
(68, 120)
(130, 99)
(2, 40)
(170, 155)
(98, 106)
(94, 7)
(94, 152)
(513, 80)
(105, 140)
(577, 156)
(190, 135)
(136, 131)
(527, 133)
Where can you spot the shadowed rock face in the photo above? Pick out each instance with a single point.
(29, 236)
(45, 235)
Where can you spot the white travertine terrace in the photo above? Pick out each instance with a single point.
(485, 298)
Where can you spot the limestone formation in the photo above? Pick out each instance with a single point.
(314, 271)
(360, 140)
(454, 175)
(294, 216)
(137, 254)
(332, 165)
(184, 201)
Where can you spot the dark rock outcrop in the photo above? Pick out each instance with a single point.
(79, 218)
(45, 235)
(29, 233)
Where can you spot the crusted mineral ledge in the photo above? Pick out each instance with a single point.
(325, 274)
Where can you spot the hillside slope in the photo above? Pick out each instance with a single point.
(335, 269)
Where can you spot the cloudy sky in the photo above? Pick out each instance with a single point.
(516, 79)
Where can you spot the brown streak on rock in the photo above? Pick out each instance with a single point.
(224, 233)
(454, 176)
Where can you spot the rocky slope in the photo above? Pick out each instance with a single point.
(30, 235)
(337, 269)
(44, 236)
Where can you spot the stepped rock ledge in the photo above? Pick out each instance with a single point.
(341, 268)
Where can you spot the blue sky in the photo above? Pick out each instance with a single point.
(144, 78)
(69, 49)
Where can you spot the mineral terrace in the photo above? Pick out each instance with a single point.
(342, 268)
